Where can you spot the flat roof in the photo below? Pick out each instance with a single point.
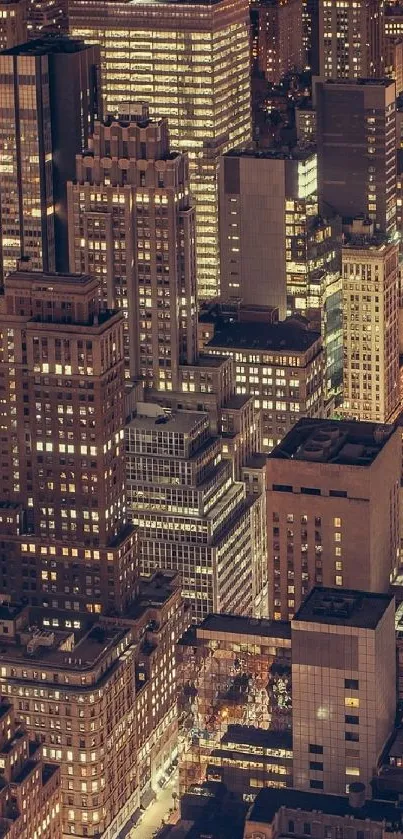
(359, 82)
(10, 611)
(256, 461)
(92, 644)
(286, 153)
(48, 45)
(269, 801)
(178, 421)
(236, 401)
(239, 625)
(343, 607)
(282, 337)
(50, 278)
(341, 442)
(252, 736)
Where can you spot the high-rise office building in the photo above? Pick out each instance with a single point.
(131, 224)
(344, 687)
(279, 39)
(274, 246)
(13, 23)
(190, 62)
(310, 28)
(190, 514)
(62, 447)
(50, 94)
(276, 250)
(356, 135)
(234, 702)
(370, 325)
(328, 523)
(107, 709)
(30, 795)
(47, 17)
(282, 365)
(351, 39)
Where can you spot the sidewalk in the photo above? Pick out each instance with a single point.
(153, 816)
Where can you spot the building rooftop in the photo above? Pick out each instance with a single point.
(48, 45)
(155, 590)
(182, 422)
(341, 442)
(256, 461)
(252, 736)
(88, 647)
(9, 611)
(360, 82)
(285, 153)
(268, 802)
(343, 607)
(236, 401)
(239, 625)
(274, 337)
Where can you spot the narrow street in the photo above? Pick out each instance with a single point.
(153, 816)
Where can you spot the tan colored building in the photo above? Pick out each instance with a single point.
(132, 225)
(100, 694)
(69, 543)
(343, 686)
(351, 39)
(281, 366)
(370, 325)
(190, 62)
(328, 523)
(30, 795)
(394, 61)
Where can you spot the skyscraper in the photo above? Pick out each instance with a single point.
(344, 687)
(50, 94)
(62, 456)
(280, 40)
(351, 39)
(190, 62)
(356, 128)
(370, 325)
(131, 224)
(191, 516)
(273, 243)
(328, 523)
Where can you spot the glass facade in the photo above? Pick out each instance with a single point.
(235, 704)
(191, 64)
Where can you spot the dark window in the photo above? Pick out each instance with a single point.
(307, 828)
(281, 488)
(291, 827)
(316, 765)
(315, 749)
(328, 832)
(352, 737)
(351, 684)
(338, 493)
(351, 719)
(360, 834)
(310, 491)
(315, 785)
